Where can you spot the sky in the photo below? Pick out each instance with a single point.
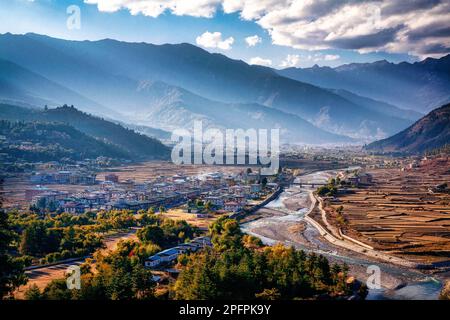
(276, 33)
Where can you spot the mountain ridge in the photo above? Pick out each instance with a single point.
(421, 86)
(136, 145)
(109, 72)
(430, 132)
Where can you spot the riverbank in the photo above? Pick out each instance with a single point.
(283, 220)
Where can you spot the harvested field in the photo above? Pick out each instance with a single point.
(151, 170)
(202, 223)
(399, 214)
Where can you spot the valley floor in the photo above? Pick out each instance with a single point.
(400, 213)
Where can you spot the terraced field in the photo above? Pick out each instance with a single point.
(398, 212)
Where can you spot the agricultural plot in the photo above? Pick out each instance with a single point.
(402, 212)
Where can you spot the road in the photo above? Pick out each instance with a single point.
(41, 276)
(351, 244)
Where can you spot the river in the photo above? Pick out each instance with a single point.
(284, 221)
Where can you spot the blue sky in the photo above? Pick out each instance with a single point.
(49, 17)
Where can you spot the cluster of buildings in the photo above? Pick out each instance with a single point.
(224, 192)
(355, 178)
(170, 255)
(63, 177)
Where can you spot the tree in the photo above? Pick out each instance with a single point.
(11, 269)
(199, 203)
(52, 206)
(264, 182)
(269, 294)
(153, 234)
(33, 239)
(237, 269)
(445, 293)
(225, 233)
(57, 290)
(148, 219)
(119, 275)
(208, 206)
(68, 241)
(41, 203)
(33, 293)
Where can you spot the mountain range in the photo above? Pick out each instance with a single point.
(428, 133)
(169, 86)
(124, 142)
(421, 86)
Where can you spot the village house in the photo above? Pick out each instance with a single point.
(112, 178)
(255, 187)
(233, 206)
(51, 196)
(170, 255)
(74, 208)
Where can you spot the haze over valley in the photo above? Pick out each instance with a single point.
(170, 86)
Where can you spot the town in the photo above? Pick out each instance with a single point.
(210, 192)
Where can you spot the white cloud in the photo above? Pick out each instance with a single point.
(420, 27)
(331, 57)
(253, 40)
(154, 8)
(292, 60)
(261, 61)
(214, 40)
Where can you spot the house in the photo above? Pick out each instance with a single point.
(354, 180)
(202, 242)
(251, 177)
(51, 196)
(272, 185)
(230, 181)
(63, 177)
(216, 201)
(255, 188)
(153, 261)
(232, 206)
(170, 255)
(189, 247)
(112, 178)
(365, 178)
(74, 208)
(42, 178)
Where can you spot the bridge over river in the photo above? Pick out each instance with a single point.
(308, 184)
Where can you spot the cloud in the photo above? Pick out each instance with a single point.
(261, 61)
(214, 40)
(291, 60)
(415, 26)
(331, 57)
(154, 8)
(253, 40)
